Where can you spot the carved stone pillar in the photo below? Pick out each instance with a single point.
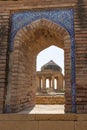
(43, 84)
(57, 83)
(39, 83)
(49, 82)
(53, 82)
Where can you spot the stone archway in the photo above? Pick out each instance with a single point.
(28, 42)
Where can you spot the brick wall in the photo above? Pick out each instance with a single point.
(81, 56)
(4, 28)
(22, 80)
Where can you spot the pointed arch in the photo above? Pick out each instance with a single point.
(52, 33)
(28, 42)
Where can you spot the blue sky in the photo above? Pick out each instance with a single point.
(51, 53)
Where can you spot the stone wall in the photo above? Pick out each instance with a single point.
(50, 100)
(80, 23)
(43, 121)
(20, 87)
(4, 34)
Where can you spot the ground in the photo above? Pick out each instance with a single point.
(44, 109)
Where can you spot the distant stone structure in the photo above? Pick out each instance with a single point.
(53, 73)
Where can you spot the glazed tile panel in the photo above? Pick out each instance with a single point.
(64, 18)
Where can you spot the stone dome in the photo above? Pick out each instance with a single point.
(51, 65)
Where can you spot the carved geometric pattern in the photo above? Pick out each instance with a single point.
(64, 18)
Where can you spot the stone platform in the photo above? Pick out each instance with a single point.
(50, 98)
(43, 122)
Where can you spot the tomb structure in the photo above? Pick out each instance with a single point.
(50, 78)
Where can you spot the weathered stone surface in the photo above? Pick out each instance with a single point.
(50, 100)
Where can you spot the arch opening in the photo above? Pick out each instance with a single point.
(28, 42)
(49, 70)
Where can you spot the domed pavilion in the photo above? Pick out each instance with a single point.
(50, 78)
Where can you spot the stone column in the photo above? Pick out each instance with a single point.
(62, 84)
(53, 82)
(43, 84)
(38, 86)
(57, 83)
(39, 83)
(49, 82)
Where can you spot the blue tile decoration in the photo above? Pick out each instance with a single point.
(64, 18)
